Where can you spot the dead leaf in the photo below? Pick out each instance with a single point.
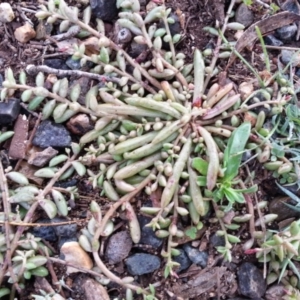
(266, 26)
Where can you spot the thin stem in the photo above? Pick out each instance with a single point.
(7, 210)
(219, 42)
(100, 229)
(30, 212)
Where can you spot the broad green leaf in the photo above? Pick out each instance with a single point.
(233, 152)
(200, 165)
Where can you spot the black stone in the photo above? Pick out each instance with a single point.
(291, 6)
(197, 257)
(271, 40)
(66, 184)
(251, 281)
(217, 241)
(136, 49)
(53, 135)
(148, 236)
(106, 10)
(56, 63)
(286, 33)
(9, 111)
(142, 263)
(244, 15)
(1, 80)
(45, 232)
(68, 230)
(183, 260)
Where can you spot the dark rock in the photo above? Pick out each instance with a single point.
(142, 263)
(66, 239)
(66, 184)
(56, 63)
(244, 15)
(53, 135)
(45, 232)
(251, 281)
(217, 241)
(68, 230)
(183, 260)
(105, 10)
(286, 33)
(291, 6)
(175, 28)
(148, 236)
(136, 49)
(287, 56)
(9, 111)
(118, 247)
(272, 40)
(73, 64)
(278, 207)
(1, 80)
(197, 257)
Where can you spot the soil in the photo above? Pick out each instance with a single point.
(218, 280)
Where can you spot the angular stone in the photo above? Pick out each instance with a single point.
(50, 134)
(79, 124)
(105, 10)
(56, 63)
(148, 236)
(6, 13)
(44, 232)
(9, 111)
(67, 230)
(118, 247)
(142, 263)
(183, 260)
(75, 255)
(17, 148)
(286, 33)
(28, 171)
(41, 158)
(272, 40)
(197, 257)
(244, 15)
(251, 281)
(287, 56)
(291, 6)
(24, 33)
(87, 288)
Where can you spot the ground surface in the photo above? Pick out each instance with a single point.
(218, 280)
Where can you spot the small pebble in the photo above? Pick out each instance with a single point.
(24, 33)
(79, 124)
(41, 158)
(148, 236)
(118, 247)
(9, 111)
(244, 15)
(286, 33)
(67, 230)
(72, 253)
(272, 40)
(142, 263)
(136, 49)
(50, 134)
(105, 10)
(124, 36)
(287, 56)
(217, 241)
(6, 13)
(197, 257)
(66, 239)
(251, 281)
(44, 232)
(56, 63)
(183, 260)
(291, 6)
